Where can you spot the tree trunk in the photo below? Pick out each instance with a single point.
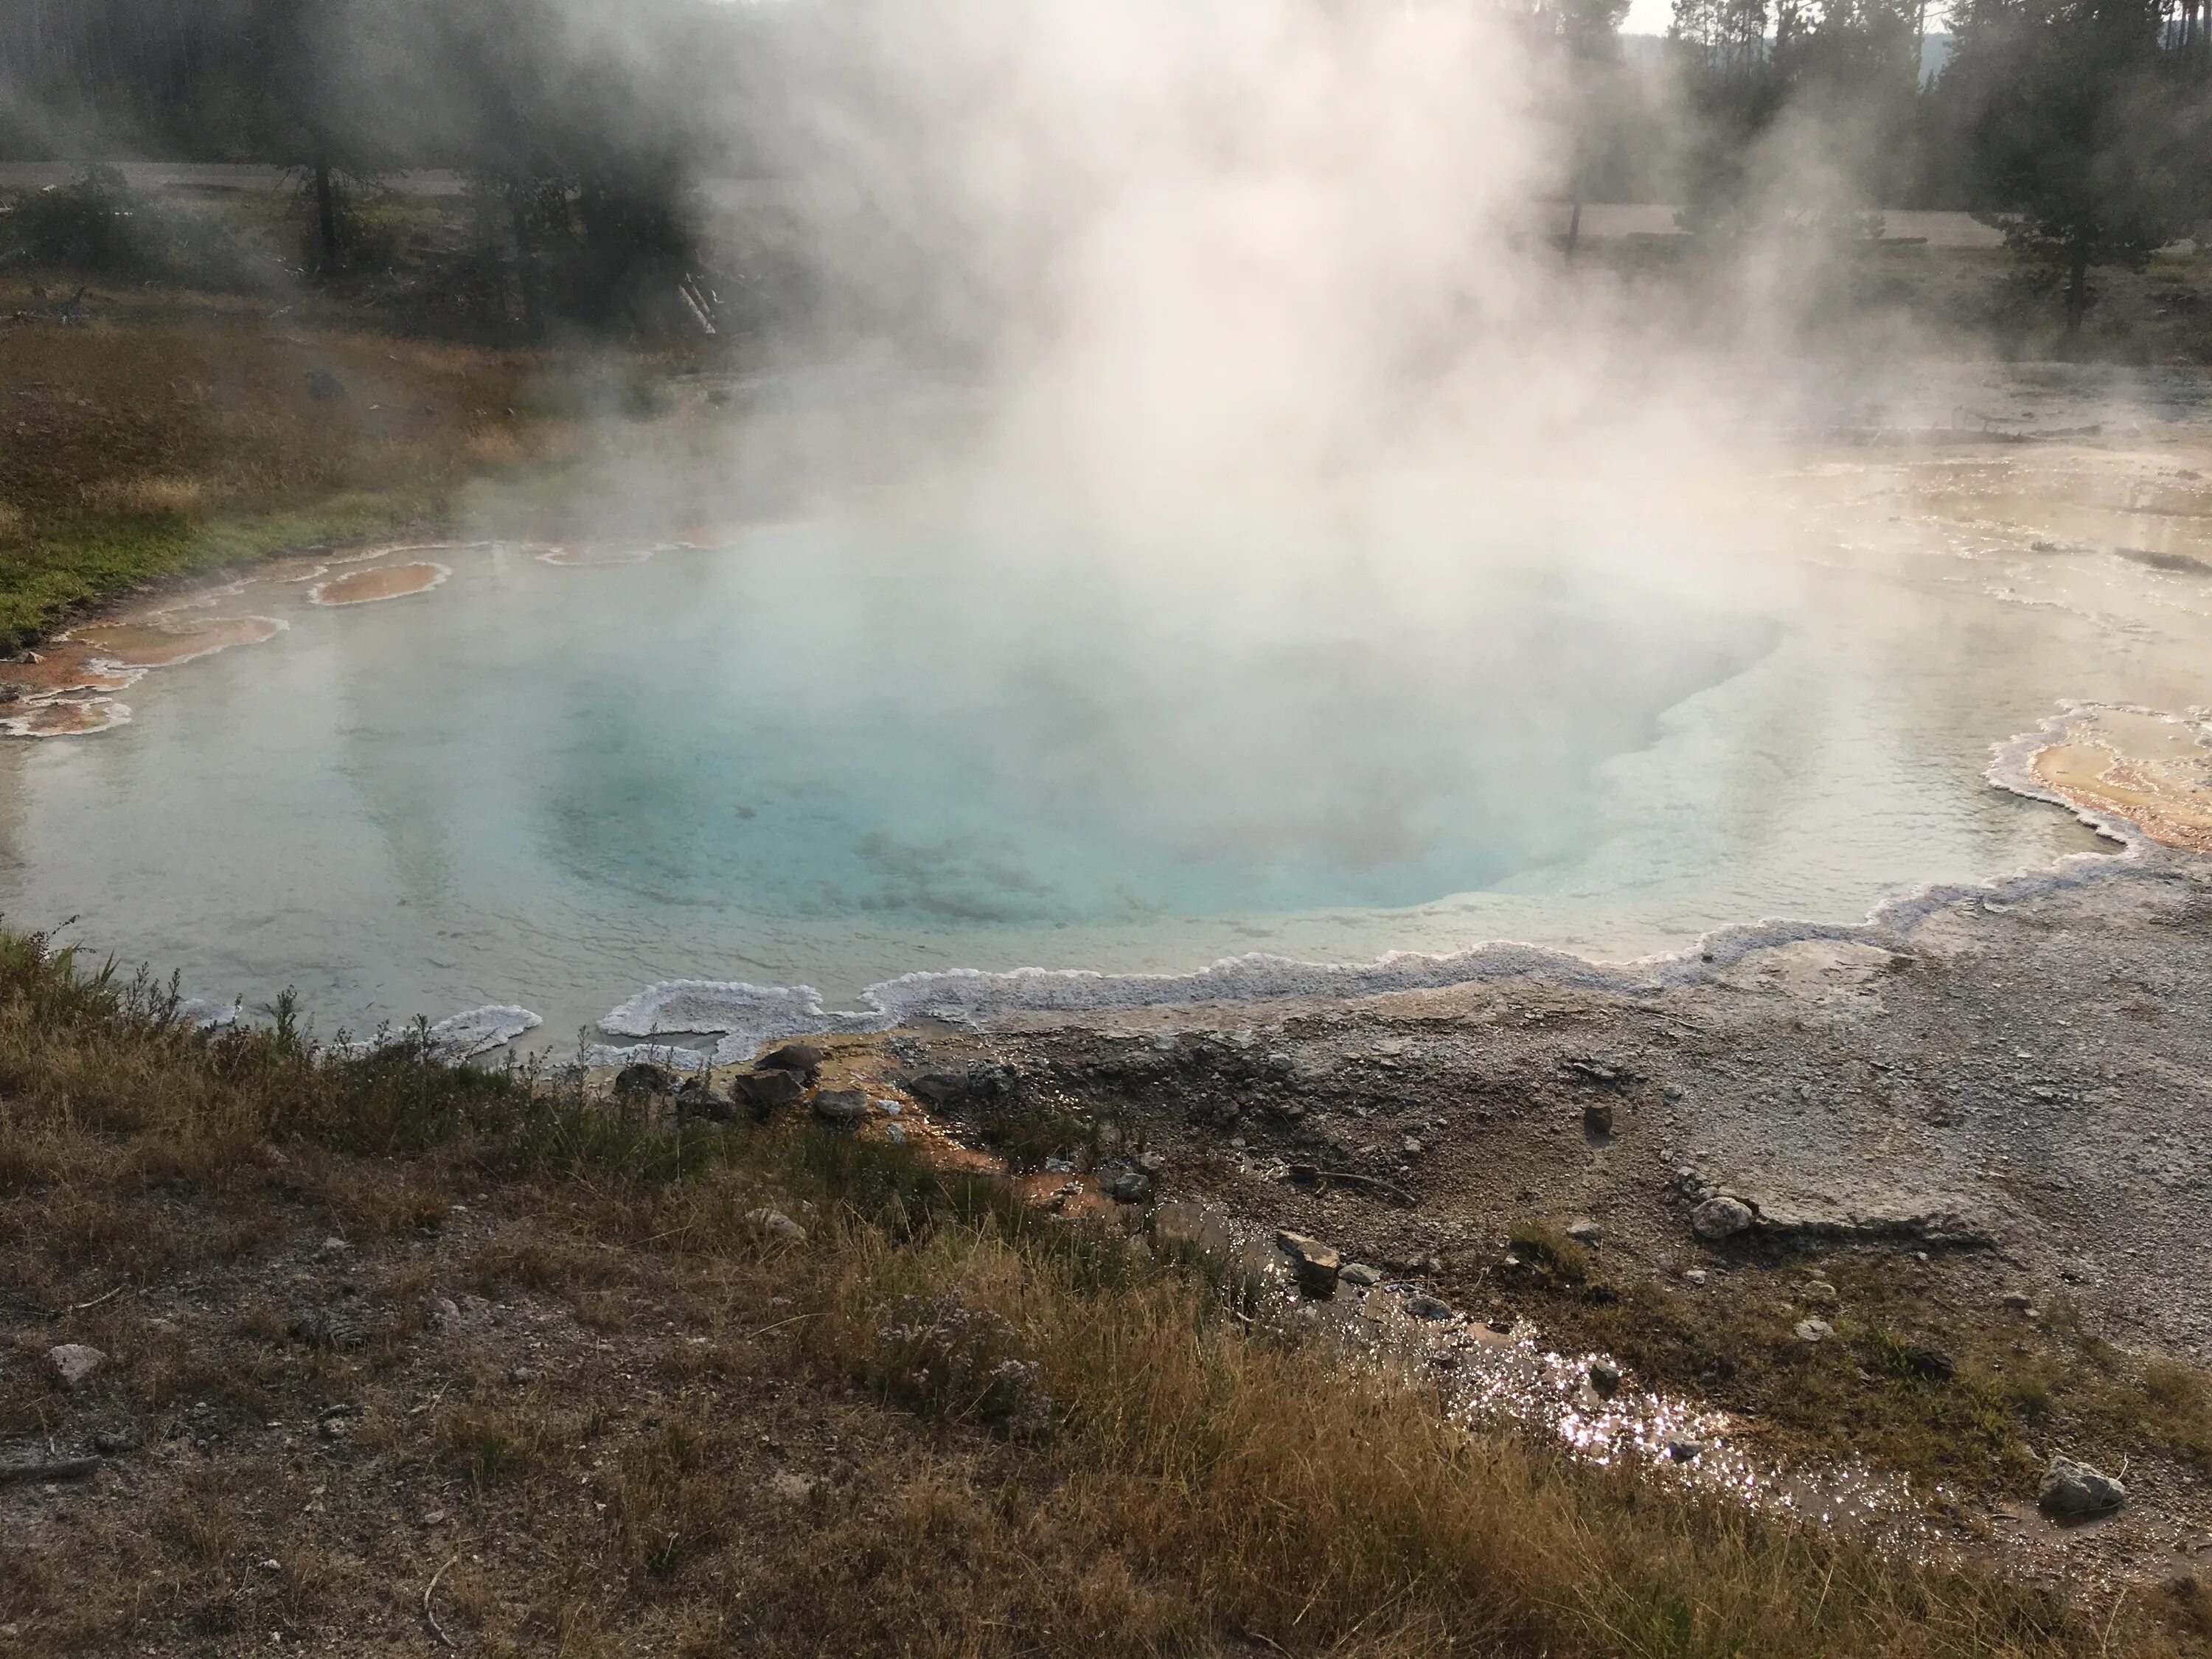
(326, 217)
(2077, 288)
(1574, 225)
(525, 261)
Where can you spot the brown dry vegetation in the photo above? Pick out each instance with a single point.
(175, 432)
(548, 1366)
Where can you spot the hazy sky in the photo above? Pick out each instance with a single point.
(1649, 17)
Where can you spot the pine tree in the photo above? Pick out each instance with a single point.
(2067, 112)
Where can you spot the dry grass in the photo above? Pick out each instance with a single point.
(940, 1426)
(177, 431)
(148, 498)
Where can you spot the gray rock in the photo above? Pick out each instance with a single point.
(1422, 1305)
(1605, 1377)
(1583, 1231)
(1819, 1292)
(74, 1364)
(763, 1093)
(792, 1057)
(1313, 1264)
(1720, 1218)
(2073, 1492)
(2019, 1301)
(1684, 1451)
(1696, 1276)
(640, 1078)
(1360, 1274)
(1874, 1213)
(326, 1328)
(842, 1107)
(1130, 1187)
(1813, 1330)
(773, 1224)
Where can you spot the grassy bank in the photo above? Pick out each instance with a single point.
(176, 432)
(402, 1355)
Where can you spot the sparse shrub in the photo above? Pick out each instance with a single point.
(491, 1443)
(940, 1355)
(670, 1502)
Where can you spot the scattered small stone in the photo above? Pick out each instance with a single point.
(895, 1136)
(1412, 1146)
(2019, 1301)
(2073, 1491)
(1813, 1330)
(773, 1224)
(1360, 1274)
(1583, 1231)
(1422, 1305)
(434, 1518)
(1151, 1163)
(74, 1364)
(1237, 1142)
(1720, 1218)
(334, 1246)
(1819, 1292)
(445, 1313)
(1130, 1187)
(842, 1107)
(1695, 1276)
(1314, 1264)
(1605, 1377)
(791, 1488)
(1683, 1449)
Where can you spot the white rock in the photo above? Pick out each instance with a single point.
(74, 1364)
(2072, 1491)
(1721, 1217)
(775, 1224)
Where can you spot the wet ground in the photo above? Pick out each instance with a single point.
(1985, 1124)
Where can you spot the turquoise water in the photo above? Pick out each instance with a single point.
(834, 749)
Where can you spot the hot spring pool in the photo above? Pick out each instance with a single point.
(831, 750)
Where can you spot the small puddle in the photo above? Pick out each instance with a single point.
(589, 556)
(64, 717)
(154, 643)
(389, 581)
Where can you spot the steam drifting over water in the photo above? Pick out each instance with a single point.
(1198, 521)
